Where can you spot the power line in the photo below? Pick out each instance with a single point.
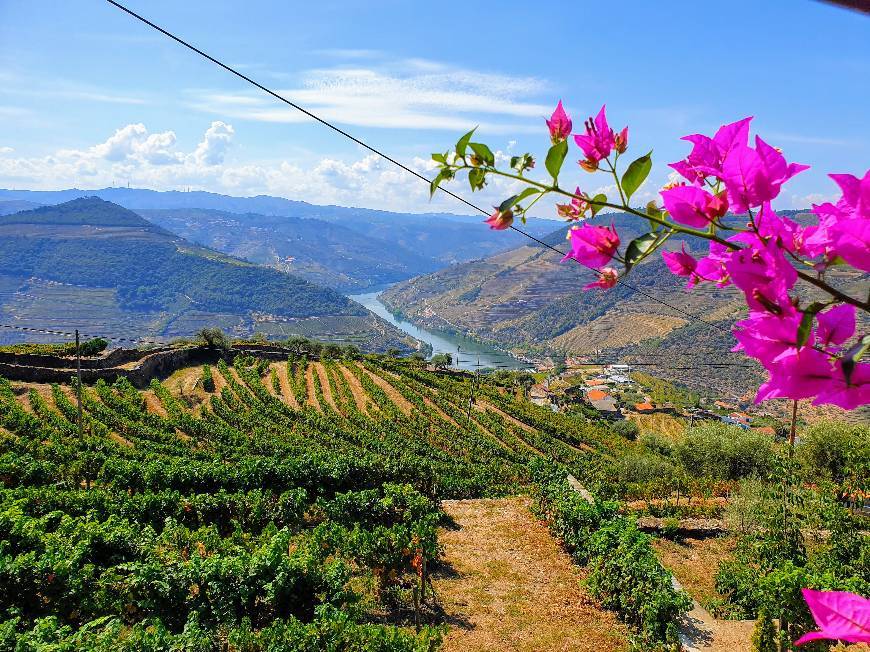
(395, 162)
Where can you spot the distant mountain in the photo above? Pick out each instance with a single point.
(321, 252)
(9, 206)
(402, 244)
(94, 265)
(527, 300)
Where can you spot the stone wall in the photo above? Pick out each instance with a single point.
(154, 363)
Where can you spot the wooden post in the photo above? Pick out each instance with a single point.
(79, 381)
(793, 431)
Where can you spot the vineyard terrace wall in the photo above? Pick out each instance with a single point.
(154, 363)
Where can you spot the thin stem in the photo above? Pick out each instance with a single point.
(616, 179)
(841, 296)
(627, 209)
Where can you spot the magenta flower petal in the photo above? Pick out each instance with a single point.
(607, 279)
(839, 615)
(796, 375)
(593, 246)
(849, 395)
(680, 262)
(693, 206)
(559, 124)
(836, 325)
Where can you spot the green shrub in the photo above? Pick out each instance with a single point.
(723, 452)
(625, 574)
(207, 379)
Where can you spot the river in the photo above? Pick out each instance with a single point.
(471, 353)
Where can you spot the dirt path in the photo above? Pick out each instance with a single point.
(509, 587)
(441, 413)
(325, 386)
(363, 402)
(311, 398)
(401, 402)
(153, 404)
(280, 369)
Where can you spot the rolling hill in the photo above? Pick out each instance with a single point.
(91, 264)
(525, 299)
(350, 249)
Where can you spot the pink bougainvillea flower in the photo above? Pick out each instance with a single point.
(754, 176)
(840, 616)
(712, 268)
(847, 395)
(856, 193)
(850, 240)
(621, 141)
(707, 153)
(500, 220)
(797, 374)
(592, 245)
(607, 278)
(766, 336)
(559, 124)
(680, 262)
(576, 209)
(836, 325)
(764, 276)
(785, 232)
(693, 206)
(597, 142)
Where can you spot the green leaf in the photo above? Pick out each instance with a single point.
(440, 158)
(803, 332)
(476, 178)
(636, 174)
(508, 203)
(483, 152)
(462, 143)
(639, 248)
(528, 192)
(596, 207)
(433, 186)
(555, 158)
(853, 356)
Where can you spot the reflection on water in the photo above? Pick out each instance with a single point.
(469, 350)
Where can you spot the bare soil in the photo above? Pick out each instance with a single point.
(506, 585)
(363, 402)
(325, 386)
(401, 402)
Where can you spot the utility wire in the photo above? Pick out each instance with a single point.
(395, 162)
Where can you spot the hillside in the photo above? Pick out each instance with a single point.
(384, 246)
(321, 252)
(94, 265)
(526, 299)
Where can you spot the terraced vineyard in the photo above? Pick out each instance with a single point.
(250, 504)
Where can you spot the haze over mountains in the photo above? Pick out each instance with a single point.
(350, 249)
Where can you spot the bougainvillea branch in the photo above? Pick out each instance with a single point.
(810, 349)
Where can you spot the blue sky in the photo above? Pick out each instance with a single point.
(89, 97)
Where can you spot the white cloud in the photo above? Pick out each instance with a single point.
(6, 150)
(214, 144)
(410, 94)
(154, 160)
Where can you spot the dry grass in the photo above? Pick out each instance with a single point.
(694, 562)
(509, 587)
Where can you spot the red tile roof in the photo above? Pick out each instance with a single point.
(596, 395)
(644, 407)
